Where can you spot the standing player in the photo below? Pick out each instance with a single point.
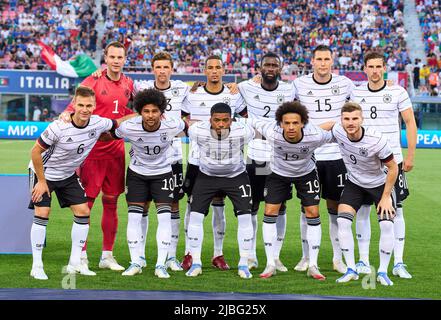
(57, 153)
(324, 94)
(222, 170)
(197, 107)
(175, 92)
(365, 153)
(149, 176)
(382, 107)
(293, 143)
(104, 169)
(262, 100)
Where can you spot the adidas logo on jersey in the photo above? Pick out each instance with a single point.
(257, 98)
(363, 101)
(69, 140)
(309, 93)
(203, 104)
(140, 140)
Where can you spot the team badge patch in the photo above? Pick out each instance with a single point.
(335, 90)
(387, 98)
(163, 137)
(280, 98)
(363, 152)
(227, 100)
(175, 92)
(304, 149)
(92, 134)
(46, 134)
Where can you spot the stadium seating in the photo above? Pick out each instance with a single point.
(241, 32)
(429, 13)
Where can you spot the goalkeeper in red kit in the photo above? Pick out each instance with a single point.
(104, 168)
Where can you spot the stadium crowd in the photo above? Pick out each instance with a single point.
(239, 31)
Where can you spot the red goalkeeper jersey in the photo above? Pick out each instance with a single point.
(112, 98)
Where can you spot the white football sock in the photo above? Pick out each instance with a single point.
(196, 235)
(38, 236)
(386, 244)
(303, 228)
(144, 231)
(314, 236)
(218, 223)
(253, 254)
(244, 237)
(186, 220)
(333, 235)
(134, 233)
(363, 230)
(269, 231)
(345, 237)
(175, 221)
(163, 233)
(400, 232)
(281, 230)
(80, 229)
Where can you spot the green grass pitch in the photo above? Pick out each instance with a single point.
(422, 251)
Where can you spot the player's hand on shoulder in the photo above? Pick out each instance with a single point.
(234, 88)
(65, 117)
(390, 82)
(257, 78)
(97, 73)
(196, 85)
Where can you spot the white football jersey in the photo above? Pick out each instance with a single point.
(363, 158)
(148, 153)
(198, 105)
(69, 145)
(291, 159)
(263, 103)
(221, 157)
(175, 95)
(324, 102)
(381, 111)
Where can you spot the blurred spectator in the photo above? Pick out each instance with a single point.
(37, 113)
(45, 115)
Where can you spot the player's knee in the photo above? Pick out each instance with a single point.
(109, 199)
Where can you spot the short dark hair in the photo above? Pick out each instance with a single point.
(292, 107)
(150, 96)
(160, 56)
(115, 44)
(351, 107)
(374, 55)
(270, 55)
(321, 47)
(214, 57)
(84, 91)
(220, 107)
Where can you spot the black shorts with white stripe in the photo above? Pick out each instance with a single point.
(140, 188)
(401, 187)
(332, 176)
(69, 191)
(353, 195)
(279, 189)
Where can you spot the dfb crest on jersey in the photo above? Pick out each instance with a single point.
(363, 152)
(335, 90)
(127, 93)
(387, 98)
(280, 98)
(227, 100)
(163, 137)
(304, 149)
(92, 134)
(175, 92)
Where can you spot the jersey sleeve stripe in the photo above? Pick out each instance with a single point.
(42, 144)
(388, 158)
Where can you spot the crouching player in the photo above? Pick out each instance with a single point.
(58, 152)
(365, 152)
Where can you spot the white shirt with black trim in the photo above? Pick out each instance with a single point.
(264, 103)
(148, 153)
(291, 159)
(381, 111)
(69, 145)
(198, 105)
(224, 156)
(324, 102)
(364, 158)
(175, 95)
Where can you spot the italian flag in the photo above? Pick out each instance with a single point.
(81, 66)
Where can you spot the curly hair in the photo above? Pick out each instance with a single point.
(150, 96)
(292, 107)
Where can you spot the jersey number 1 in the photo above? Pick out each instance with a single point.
(116, 106)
